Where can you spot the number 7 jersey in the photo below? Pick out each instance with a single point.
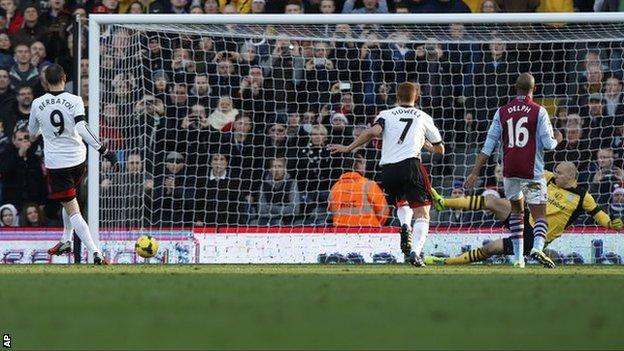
(55, 115)
(405, 129)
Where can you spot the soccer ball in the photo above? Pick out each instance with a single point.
(146, 246)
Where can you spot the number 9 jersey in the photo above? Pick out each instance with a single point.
(55, 116)
(405, 129)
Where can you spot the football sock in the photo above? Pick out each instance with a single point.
(516, 226)
(474, 255)
(82, 229)
(539, 231)
(405, 214)
(465, 203)
(67, 228)
(421, 230)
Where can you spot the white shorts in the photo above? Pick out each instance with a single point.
(533, 190)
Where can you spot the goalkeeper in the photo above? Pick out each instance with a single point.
(565, 203)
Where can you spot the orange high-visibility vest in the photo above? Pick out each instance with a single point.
(357, 201)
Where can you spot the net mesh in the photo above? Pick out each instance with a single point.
(226, 125)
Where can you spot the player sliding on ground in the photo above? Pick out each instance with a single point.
(404, 131)
(526, 132)
(60, 118)
(565, 203)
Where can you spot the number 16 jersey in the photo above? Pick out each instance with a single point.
(525, 131)
(405, 129)
(55, 116)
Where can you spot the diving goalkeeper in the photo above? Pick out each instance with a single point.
(565, 203)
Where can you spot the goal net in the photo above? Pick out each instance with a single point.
(222, 126)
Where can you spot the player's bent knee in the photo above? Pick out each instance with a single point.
(495, 247)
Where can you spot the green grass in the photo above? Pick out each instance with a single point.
(311, 307)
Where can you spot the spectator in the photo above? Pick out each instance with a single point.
(357, 201)
(169, 202)
(135, 7)
(370, 6)
(21, 172)
(341, 132)
(148, 132)
(6, 55)
(490, 87)
(489, 6)
(211, 7)
(177, 104)
(402, 8)
(601, 128)
(293, 7)
(194, 136)
(518, 5)
(258, 96)
(224, 114)
(616, 206)
(574, 147)
(556, 6)
(612, 97)
(315, 170)
(23, 72)
(6, 92)
(32, 29)
(126, 192)
(14, 16)
(279, 197)
(8, 216)
(32, 216)
(56, 21)
(295, 129)
(258, 6)
(220, 200)
(328, 6)
(602, 175)
(38, 56)
(182, 65)
(16, 111)
(226, 79)
(278, 144)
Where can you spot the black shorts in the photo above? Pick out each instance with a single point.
(63, 182)
(527, 235)
(406, 180)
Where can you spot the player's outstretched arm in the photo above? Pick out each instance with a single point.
(600, 216)
(85, 133)
(368, 134)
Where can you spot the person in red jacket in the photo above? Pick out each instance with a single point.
(357, 201)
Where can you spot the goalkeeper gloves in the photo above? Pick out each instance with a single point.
(109, 155)
(616, 224)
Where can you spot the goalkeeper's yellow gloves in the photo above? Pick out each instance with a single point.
(616, 224)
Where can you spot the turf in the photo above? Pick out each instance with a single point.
(311, 307)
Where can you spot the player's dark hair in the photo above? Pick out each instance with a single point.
(525, 84)
(54, 74)
(407, 92)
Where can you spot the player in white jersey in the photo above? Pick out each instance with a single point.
(60, 118)
(404, 130)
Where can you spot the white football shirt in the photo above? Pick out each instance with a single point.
(404, 132)
(54, 116)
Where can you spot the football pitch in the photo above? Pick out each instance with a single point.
(290, 307)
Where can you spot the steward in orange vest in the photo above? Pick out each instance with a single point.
(357, 201)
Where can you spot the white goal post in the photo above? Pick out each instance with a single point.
(582, 27)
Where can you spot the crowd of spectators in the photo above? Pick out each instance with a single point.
(228, 130)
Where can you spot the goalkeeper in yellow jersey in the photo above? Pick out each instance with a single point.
(565, 203)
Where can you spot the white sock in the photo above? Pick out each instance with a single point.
(420, 231)
(538, 243)
(518, 246)
(67, 228)
(405, 214)
(82, 229)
